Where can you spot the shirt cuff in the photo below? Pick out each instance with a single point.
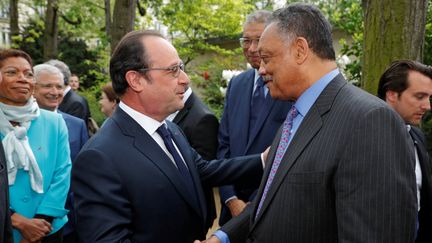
(222, 236)
(262, 160)
(229, 199)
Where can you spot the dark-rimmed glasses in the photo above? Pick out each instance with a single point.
(247, 42)
(174, 70)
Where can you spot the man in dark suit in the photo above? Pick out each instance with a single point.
(72, 103)
(138, 179)
(5, 219)
(250, 118)
(407, 87)
(200, 126)
(338, 169)
(48, 93)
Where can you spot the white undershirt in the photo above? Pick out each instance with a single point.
(418, 173)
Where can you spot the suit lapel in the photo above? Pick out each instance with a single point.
(183, 146)
(307, 130)
(269, 103)
(245, 93)
(146, 145)
(425, 166)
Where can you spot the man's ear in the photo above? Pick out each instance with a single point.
(391, 96)
(301, 49)
(134, 80)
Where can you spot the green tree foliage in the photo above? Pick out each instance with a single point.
(75, 52)
(193, 24)
(347, 15)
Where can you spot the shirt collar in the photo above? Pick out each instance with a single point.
(149, 124)
(308, 98)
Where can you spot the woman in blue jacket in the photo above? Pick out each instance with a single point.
(37, 154)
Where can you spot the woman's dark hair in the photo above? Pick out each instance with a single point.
(8, 53)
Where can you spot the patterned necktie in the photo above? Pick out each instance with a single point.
(187, 178)
(283, 145)
(257, 104)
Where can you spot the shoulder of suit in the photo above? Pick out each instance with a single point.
(71, 118)
(244, 77)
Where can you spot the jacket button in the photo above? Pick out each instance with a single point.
(25, 199)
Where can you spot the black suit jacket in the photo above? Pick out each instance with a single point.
(200, 126)
(345, 177)
(75, 105)
(128, 190)
(5, 220)
(425, 214)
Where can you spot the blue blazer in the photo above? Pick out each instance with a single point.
(77, 131)
(126, 189)
(234, 130)
(48, 138)
(78, 136)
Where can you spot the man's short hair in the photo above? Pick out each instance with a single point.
(395, 78)
(307, 21)
(46, 68)
(62, 67)
(257, 17)
(129, 54)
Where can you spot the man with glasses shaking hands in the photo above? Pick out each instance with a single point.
(138, 179)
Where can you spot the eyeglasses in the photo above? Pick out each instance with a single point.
(174, 70)
(51, 86)
(247, 42)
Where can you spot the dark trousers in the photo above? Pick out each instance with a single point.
(71, 238)
(57, 237)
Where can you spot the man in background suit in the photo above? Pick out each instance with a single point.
(5, 219)
(72, 103)
(48, 93)
(138, 179)
(248, 124)
(407, 87)
(338, 170)
(200, 126)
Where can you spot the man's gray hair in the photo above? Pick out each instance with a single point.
(259, 17)
(62, 67)
(307, 21)
(46, 68)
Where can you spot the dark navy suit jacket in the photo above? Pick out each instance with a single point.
(128, 190)
(77, 132)
(200, 126)
(425, 214)
(78, 136)
(5, 220)
(234, 130)
(75, 105)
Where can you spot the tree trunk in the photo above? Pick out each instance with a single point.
(108, 17)
(123, 20)
(394, 29)
(13, 20)
(51, 30)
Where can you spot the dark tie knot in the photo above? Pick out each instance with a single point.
(163, 131)
(260, 82)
